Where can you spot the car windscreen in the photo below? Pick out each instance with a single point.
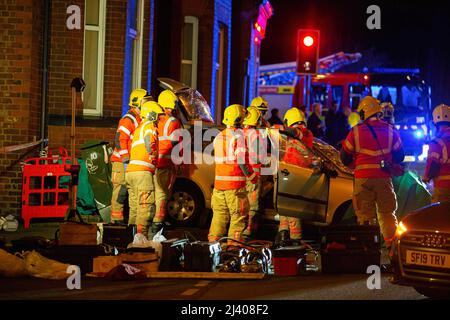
(196, 106)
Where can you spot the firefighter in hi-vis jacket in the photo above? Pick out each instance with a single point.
(438, 162)
(290, 229)
(375, 148)
(140, 171)
(165, 169)
(229, 200)
(121, 156)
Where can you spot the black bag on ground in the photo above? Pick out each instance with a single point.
(202, 256)
(119, 236)
(172, 252)
(350, 249)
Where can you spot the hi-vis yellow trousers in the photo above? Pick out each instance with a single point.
(164, 180)
(118, 180)
(375, 197)
(141, 196)
(229, 206)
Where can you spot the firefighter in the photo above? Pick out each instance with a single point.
(229, 199)
(388, 112)
(121, 155)
(255, 144)
(374, 146)
(290, 229)
(166, 172)
(438, 161)
(263, 106)
(140, 171)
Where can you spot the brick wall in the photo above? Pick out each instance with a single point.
(20, 53)
(66, 62)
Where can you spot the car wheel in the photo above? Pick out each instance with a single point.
(434, 293)
(186, 204)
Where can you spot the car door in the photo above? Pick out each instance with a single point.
(301, 188)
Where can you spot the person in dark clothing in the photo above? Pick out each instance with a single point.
(275, 118)
(337, 126)
(315, 122)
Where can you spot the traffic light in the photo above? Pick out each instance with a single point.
(308, 51)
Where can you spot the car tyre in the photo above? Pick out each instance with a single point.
(434, 293)
(186, 204)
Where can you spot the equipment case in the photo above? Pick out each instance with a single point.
(350, 249)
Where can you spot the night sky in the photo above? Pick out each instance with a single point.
(414, 34)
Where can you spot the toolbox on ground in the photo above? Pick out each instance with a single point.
(289, 261)
(146, 261)
(202, 256)
(119, 236)
(350, 249)
(73, 233)
(172, 251)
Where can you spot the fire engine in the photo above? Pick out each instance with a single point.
(283, 88)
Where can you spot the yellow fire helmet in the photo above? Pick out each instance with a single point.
(234, 115)
(151, 110)
(293, 116)
(136, 97)
(167, 99)
(441, 114)
(253, 117)
(260, 103)
(368, 107)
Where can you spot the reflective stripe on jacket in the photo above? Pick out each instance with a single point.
(257, 148)
(229, 151)
(366, 150)
(124, 134)
(144, 149)
(167, 140)
(438, 153)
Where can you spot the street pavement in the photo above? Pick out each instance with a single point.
(307, 287)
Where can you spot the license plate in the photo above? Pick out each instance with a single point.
(428, 259)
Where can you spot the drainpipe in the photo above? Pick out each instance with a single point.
(45, 56)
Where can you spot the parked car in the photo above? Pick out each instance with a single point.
(318, 189)
(421, 251)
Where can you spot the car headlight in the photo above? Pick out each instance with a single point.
(401, 229)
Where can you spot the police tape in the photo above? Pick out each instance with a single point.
(17, 147)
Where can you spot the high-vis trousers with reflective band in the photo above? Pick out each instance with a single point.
(141, 193)
(164, 180)
(440, 195)
(375, 197)
(229, 206)
(118, 180)
(293, 225)
(254, 195)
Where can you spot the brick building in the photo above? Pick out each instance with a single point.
(118, 45)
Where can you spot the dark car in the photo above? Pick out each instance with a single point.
(421, 251)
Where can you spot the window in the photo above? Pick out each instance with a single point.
(136, 32)
(93, 56)
(189, 50)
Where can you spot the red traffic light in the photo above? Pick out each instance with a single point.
(308, 41)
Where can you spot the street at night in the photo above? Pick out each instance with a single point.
(243, 154)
